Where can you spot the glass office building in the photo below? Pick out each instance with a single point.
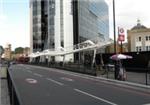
(39, 25)
(93, 19)
(64, 23)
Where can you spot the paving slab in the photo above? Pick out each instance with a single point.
(4, 94)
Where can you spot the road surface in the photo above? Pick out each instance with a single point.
(46, 86)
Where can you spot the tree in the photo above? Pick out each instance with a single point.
(19, 50)
(26, 49)
(1, 50)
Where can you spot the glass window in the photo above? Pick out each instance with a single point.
(91, 19)
(147, 48)
(140, 49)
(34, 3)
(136, 48)
(146, 38)
(139, 38)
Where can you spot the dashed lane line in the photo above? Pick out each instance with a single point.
(29, 71)
(36, 74)
(98, 98)
(67, 79)
(59, 83)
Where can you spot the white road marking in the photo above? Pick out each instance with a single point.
(27, 67)
(36, 74)
(69, 73)
(29, 71)
(59, 83)
(31, 81)
(98, 98)
(67, 79)
(147, 104)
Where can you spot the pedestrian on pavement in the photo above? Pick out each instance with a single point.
(117, 68)
(122, 72)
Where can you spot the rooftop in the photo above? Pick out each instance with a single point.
(139, 26)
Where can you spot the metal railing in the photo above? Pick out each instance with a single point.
(74, 67)
(106, 71)
(14, 96)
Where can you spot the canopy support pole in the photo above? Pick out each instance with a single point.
(94, 55)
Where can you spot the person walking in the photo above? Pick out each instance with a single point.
(122, 72)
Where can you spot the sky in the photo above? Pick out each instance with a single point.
(15, 23)
(127, 12)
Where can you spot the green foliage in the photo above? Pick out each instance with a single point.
(26, 48)
(1, 50)
(12, 52)
(19, 50)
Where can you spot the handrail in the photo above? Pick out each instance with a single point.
(14, 94)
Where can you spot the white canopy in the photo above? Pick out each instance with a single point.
(84, 46)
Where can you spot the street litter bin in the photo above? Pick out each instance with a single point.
(3, 72)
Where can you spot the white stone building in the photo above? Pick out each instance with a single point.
(138, 38)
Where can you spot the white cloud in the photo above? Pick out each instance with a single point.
(127, 13)
(15, 34)
(2, 17)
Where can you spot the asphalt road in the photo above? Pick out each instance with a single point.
(47, 86)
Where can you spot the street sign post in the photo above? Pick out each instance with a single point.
(121, 37)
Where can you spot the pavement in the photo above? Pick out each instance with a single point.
(134, 81)
(4, 95)
(138, 78)
(133, 77)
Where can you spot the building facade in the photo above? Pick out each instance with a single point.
(64, 23)
(138, 38)
(7, 52)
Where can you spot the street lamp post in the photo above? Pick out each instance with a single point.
(114, 25)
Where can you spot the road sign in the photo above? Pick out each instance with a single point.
(121, 38)
(121, 31)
